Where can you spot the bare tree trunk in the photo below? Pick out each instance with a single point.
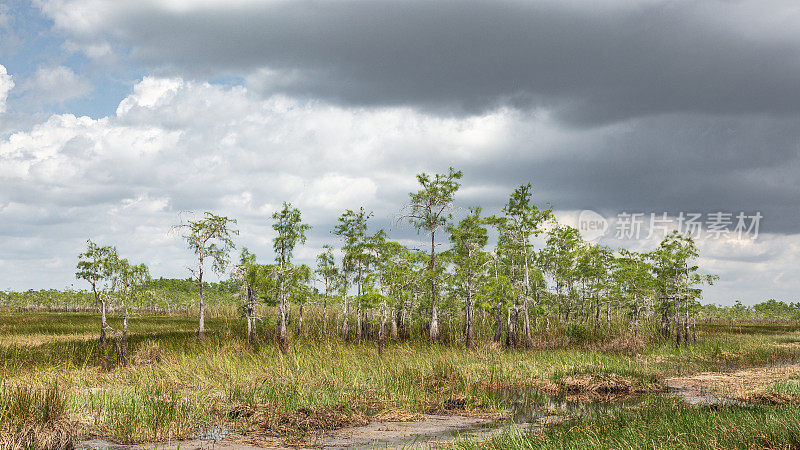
(393, 334)
(526, 323)
(526, 318)
(686, 324)
(596, 312)
(201, 326)
(122, 345)
(382, 330)
(300, 322)
(250, 312)
(498, 331)
(325, 315)
(345, 322)
(282, 333)
(103, 323)
(511, 334)
(468, 313)
(358, 322)
(434, 328)
(402, 330)
(449, 327)
(359, 330)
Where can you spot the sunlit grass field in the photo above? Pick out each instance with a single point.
(175, 388)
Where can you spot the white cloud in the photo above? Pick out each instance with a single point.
(6, 84)
(339, 192)
(56, 84)
(149, 93)
(182, 145)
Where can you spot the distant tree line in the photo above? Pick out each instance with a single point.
(769, 311)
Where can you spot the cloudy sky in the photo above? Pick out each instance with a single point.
(117, 115)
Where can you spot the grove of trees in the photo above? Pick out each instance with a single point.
(520, 271)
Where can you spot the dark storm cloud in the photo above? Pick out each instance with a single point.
(699, 98)
(592, 63)
(671, 164)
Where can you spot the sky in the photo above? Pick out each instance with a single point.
(119, 119)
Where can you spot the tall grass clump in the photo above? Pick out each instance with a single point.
(34, 418)
(146, 415)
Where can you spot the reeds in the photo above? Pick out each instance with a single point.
(663, 423)
(34, 418)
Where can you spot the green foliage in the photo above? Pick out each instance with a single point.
(429, 208)
(290, 232)
(96, 266)
(210, 237)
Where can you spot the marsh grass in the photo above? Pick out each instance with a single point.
(664, 423)
(132, 414)
(175, 387)
(33, 418)
(788, 387)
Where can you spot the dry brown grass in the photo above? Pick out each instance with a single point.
(747, 385)
(148, 353)
(623, 342)
(53, 436)
(604, 385)
(34, 340)
(626, 343)
(265, 421)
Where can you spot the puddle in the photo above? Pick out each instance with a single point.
(533, 407)
(698, 397)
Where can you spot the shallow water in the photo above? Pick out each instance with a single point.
(532, 406)
(528, 411)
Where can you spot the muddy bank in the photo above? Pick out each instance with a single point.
(742, 386)
(432, 428)
(426, 431)
(194, 444)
